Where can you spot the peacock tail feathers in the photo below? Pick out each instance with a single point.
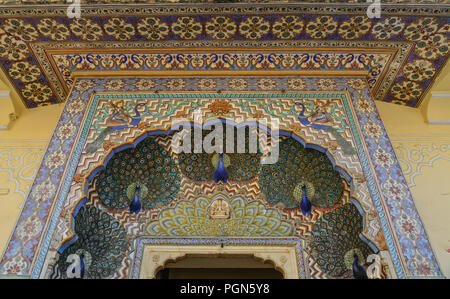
(295, 165)
(334, 235)
(239, 166)
(149, 164)
(101, 239)
(247, 219)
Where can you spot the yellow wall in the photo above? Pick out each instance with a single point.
(21, 151)
(424, 154)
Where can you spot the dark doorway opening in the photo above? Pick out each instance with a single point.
(218, 267)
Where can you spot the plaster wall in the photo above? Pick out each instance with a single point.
(423, 151)
(21, 150)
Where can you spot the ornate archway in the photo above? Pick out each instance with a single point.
(249, 205)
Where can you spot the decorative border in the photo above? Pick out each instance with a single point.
(271, 56)
(168, 8)
(408, 84)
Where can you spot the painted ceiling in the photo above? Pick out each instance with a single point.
(128, 2)
(402, 52)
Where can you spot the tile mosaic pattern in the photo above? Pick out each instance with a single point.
(424, 29)
(387, 188)
(382, 59)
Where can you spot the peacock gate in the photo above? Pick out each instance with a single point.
(114, 198)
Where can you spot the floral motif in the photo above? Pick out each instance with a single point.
(55, 159)
(237, 84)
(175, 84)
(388, 28)
(364, 105)
(43, 191)
(326, 84)
(220, 27)
(422, 266)
(66, 131)
(37, 92)
(86, 29)
(406, 90)
(266, 84)
(395, 190)
(20, 29)
(419, 70)
(12, 48)
(357, 84)
(53, 29)
(287, 27)
(153, 28)
(421, 28)
(432, 46)
(119, 29)
(16, 266)
(187, 27)
(254, 27)
(145, 84)
(30, 228)
(408, 226)
(76, 106)
(115, 84)
(83, 85)
(321, 27)
(24, 71)
(296, 84)
(355, 27)
(206, 84)
(383, 158)
(373, 130)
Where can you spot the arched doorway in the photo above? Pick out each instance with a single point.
(221, 266)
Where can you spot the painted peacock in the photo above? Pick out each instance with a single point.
(301, 176)
(138, 178)
(101, 245)
(221, 167)
(336, 244)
